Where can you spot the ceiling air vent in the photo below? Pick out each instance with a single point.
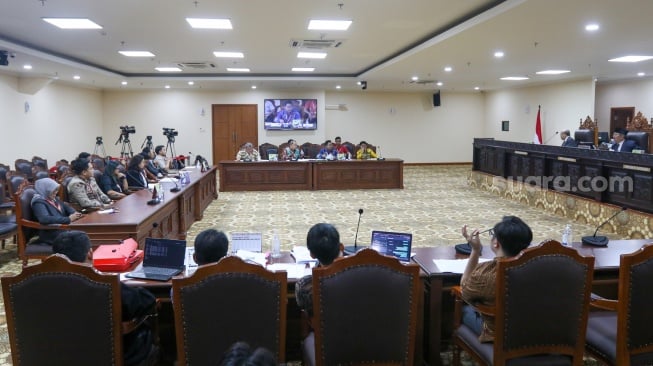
(196, 65)
(316, 44)
(423, 82)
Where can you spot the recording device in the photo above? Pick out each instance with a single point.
(126, 130)
(170, 133)
(600, 241)
(353, 249)
(98, 140)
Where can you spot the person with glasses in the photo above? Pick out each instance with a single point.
(507, 239)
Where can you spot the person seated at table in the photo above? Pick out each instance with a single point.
(160, 160)
(83, 189)
(248, 153)
(210, 246)
(508, 238)
(342, 149)
(114, 182)
(136, 178)
(328, 152)
(567, 141)
(323, 242)
(136, 301)
(620, 143)
(49, 210)
(241, 354)
(364, 152)
(292, 151)
(152, 171)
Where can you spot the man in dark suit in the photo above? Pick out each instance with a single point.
(567, 141)
(620, 143)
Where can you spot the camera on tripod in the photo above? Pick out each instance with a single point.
(170, 133)
(98, 140)
(126, 130)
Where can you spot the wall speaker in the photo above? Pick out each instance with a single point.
(436, 99)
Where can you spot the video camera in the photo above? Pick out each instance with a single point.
(98, 140)
(170, 132)
(126, 130)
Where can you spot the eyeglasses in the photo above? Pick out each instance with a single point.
(489, 231)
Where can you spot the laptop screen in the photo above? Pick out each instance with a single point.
(397, 245)
(167, 253)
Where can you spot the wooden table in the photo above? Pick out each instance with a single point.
(438, 307)
(311, 175)
(138, 220)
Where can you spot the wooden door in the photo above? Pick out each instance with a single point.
(620, 116)
(233, 125)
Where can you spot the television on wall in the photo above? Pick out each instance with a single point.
(290, 114)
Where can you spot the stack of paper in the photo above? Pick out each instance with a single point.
(454, 265)
(302, 255)
(246, 255)
(293, 270)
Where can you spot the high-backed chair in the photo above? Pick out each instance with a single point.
(63, 313)
(311, 150)
(584, 136)
(365, 311)
(540, 312)
(4, 171)
(25, 167)
(351, 147)
(640, 138)
(14, 181)
(226, 302)
(8, 226)
(28, 228)
(264, 149)
(40, 174)
(40, 163)
(622, 336)
(62, 172)
(63, 191)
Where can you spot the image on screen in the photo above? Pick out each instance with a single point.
(393, 244)
(290, 114)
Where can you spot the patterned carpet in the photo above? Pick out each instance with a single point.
(436, 202)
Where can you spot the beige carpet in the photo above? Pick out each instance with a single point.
(435, 203)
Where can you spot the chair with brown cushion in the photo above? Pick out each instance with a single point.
(264, 148)
(25, 167)
(365, 311)
(640, 138)
(63, 313)
(226, 302)
(28, 228)
(351, 147)
(622, 336)
(540, 311)
(311, 150)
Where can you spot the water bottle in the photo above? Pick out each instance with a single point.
(276, 246)
(567, 237)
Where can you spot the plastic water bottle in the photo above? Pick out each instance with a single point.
(276, 246)
(567, 237)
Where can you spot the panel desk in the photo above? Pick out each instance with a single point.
(311, 175)
(138, 220)
(438, 307)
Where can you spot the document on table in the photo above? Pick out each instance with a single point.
(302, 255)
(455, 265)
(296, 271)
(258, 258)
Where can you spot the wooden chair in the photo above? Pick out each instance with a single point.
(226, 302)
(28, 246)
(25, 167)
(14, 181)
(40, 163)
(63, 313)
(311, 150)
(264, 149)
(622, 336)
(351, 147)
(4, 171)
(365, 311)
(8, 226)
(540, 312)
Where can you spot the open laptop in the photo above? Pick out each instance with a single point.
(163, 259)
(397, 245)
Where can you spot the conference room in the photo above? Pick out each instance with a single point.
(401, 52)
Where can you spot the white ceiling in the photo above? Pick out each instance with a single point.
(387, 44)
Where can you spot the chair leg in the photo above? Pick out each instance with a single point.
(456, 355)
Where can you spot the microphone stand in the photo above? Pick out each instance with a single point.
(352, 249)
(600, 241)
(552, 136)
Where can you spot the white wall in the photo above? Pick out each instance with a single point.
(563, 105)
(635, 93)
(61, 122)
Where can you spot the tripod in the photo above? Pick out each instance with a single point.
(99, 146)
(147, 143)
(170, 147)
(126, 150)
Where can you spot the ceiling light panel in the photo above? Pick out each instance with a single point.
(311, 55)
(221, 54)
(303, 69)
(208, 23)
(167, 69)
(73, 23)
(514, 78)
(631, 58)
(329, 24)
(552, 72)
(237, 69)
(136, 53)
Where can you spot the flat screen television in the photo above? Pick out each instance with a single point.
(290, 114)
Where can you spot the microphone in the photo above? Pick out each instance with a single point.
(552, 136)
(600, 241)
(177, 188)
(352, 249)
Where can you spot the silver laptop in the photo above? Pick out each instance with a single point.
(163, 259)
(397, 245)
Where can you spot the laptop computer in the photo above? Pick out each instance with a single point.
(397, 245)
(163, 259)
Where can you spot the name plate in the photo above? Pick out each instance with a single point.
(521, 153)
(638, 168)
(562, 158)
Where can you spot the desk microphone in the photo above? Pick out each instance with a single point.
(600, 241)
(177, 188)
(552, 136)
(352, 249)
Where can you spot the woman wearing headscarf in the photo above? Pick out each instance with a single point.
(49, 210)
(113, 182)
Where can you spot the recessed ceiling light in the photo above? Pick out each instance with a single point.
(329, 24)
(124, 83)
(592, 27)
(498, 54)
(253, 86)
(414, 78)
(191, 83)
(338, 87)
(208, 23)
(77, 77)
(228, 54)
(641, 74)
(514, 78)
(167, 69)
(167, 87)
(303, 69)
(73, 23)
(136, 53)
(237, 69)
(631, 58)
(311, 55)
(448, 68)
(552, 72)
(439, 83)
(477, 88)
(27, 67)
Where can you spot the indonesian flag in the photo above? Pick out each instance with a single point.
(537, 138)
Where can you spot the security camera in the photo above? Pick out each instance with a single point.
(363, 84)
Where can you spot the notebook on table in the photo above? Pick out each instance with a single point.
(163, 259)
(397, 245)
